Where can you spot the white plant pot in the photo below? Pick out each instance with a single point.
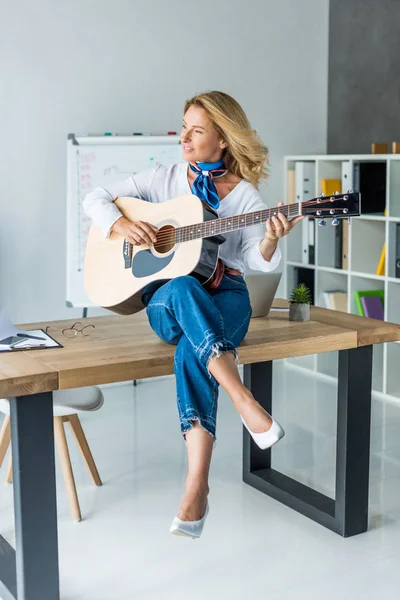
(299, 312)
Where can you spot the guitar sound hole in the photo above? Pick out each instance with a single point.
(165, 239)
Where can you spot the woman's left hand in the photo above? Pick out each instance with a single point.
(277, 227)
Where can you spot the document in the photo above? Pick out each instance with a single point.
(12, 338)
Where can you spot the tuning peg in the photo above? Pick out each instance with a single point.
(322, 223)
(349, 191)
(335, 222)
(334, 193)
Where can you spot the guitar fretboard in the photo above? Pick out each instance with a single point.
(227, 224)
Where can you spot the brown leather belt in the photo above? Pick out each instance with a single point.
(216, 279)
(233, 271)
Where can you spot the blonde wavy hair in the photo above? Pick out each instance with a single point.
(246, 156)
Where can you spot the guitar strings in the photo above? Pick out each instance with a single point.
(169, 236)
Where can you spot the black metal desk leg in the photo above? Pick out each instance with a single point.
(257, 378)
(347, 514)
(353, 440)
(35, 506)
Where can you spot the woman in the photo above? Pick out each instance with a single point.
(224, 161)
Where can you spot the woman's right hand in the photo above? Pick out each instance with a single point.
(136, 232)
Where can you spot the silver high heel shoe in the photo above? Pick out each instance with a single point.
(191, 529)
(266, 439)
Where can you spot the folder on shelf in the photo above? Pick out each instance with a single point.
(336, 300)
(373, 307)
(330, 186)
(361, 294)
(381, 265)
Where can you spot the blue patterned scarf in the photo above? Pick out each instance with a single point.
(203, 186)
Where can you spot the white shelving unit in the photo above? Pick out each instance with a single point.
(367, 234)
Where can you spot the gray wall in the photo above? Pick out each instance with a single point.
(126, 65)
(364, 74)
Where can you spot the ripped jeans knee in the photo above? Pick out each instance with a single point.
(219, 348)
(204, 423)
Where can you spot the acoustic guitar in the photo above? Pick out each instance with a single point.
(188, 240)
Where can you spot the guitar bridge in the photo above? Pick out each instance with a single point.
(127, 253)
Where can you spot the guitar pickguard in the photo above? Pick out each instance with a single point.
(145, 263)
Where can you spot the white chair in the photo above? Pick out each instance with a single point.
(66, 405)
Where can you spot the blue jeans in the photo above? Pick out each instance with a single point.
(202, 324)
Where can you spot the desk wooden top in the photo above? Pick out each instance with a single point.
(125, 347)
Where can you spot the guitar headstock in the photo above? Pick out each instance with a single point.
(333, 207)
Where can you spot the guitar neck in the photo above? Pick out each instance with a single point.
(227, 224)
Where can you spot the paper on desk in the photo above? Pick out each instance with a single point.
(7, 330)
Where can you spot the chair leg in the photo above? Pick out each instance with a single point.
(9, 474)
(5, 438)
(66, 466)
(83, 446)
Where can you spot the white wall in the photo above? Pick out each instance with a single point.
(128, 65)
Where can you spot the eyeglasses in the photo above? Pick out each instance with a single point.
(73, 331)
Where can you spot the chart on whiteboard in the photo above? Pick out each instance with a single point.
(99, 167)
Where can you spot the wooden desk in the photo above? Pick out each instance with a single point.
(125, 348)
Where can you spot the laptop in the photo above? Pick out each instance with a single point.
(262, 289)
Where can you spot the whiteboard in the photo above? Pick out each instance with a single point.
(96, 161)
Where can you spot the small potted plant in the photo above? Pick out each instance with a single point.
(300, 300)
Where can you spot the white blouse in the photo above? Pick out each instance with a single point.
(240, 250)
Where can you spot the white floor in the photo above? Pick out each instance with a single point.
(252, 546)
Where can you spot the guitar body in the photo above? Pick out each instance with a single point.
(116, 272)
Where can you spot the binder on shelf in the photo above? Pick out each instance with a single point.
(311, 241)
(373, 307)
(339, 244)
(291, 186)
(380, 270)
(304, 241)
(345, 244)
(369, 178)
(393, 250)
(305, 190)
(356, 177)
(360, 294)
(305, 181)
(347, 176)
